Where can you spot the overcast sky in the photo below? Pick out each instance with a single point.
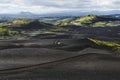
(46, 6)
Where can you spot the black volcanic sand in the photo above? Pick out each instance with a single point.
(58, 63)
(61, 44)
(48, 64)
(20, 57)
(25, 57)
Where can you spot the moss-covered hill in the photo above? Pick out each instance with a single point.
(89, 21)
(25, 24)
(25, 28)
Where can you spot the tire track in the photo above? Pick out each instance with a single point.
(28, 68)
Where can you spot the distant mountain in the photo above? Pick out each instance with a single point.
(81, 13)
(71, 13)
(26, 13)
(114, 15)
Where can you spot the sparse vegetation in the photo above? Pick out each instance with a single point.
(113, 46)
(63, 22)
(20, 22)
(80, 21)
(58, 29)
(99, 24)
(6, 32)
(88, 21)
(25, 28)
(85, 20)
(3, 24)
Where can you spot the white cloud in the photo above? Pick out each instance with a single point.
(45, 6)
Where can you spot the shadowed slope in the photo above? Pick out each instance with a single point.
(93, 66)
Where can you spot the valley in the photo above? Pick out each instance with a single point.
(60, 48)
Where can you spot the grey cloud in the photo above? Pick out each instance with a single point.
(5, 1)
(74, 4)
(56, 5)
(62, 3)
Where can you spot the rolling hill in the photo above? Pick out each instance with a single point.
(89, 21)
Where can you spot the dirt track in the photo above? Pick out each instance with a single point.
(50, 64)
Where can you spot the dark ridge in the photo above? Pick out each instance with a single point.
(104, 18)
(95, 31)
(34, 25)
(52, 36)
